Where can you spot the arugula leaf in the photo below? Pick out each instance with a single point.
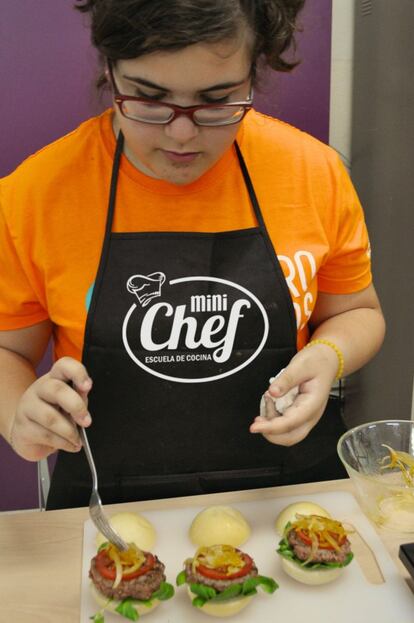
(249, 585)
(127, 610)
(145, 602)
(198, 602)
(267, 584)
(165, 591)
(205, 592)
(246, 589)
(181, 578)
(103, 546)
(346, 562)
(99, 616)
(348, 559)
(229, 593)
(284, 546)
(250, 593)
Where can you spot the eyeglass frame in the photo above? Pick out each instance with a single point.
(178, 111)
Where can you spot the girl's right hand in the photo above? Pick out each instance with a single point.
(48, 411)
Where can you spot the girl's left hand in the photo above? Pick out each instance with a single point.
(313, 370)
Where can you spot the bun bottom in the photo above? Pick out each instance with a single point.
(312, 577)
(111, 606)
(223, 609)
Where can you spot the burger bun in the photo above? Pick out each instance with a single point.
(111, 606)
(313, 577)
(302, 508)
(219, 524)
(222, 609)
(133, 528)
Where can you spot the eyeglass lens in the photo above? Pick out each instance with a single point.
(150, 112)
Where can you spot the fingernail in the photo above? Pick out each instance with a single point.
(86, 420)
(274, 392)
(86, 384)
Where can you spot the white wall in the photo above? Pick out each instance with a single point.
(341, 77)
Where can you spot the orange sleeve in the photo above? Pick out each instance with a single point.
(347, 267)
(19, 307)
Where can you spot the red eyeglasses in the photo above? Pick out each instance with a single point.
(147, 110)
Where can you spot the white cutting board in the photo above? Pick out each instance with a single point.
(350, 599)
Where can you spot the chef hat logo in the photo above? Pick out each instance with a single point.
(146, 287)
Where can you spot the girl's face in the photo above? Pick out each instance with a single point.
(198, 74)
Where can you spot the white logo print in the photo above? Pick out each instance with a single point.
(146, 287)
(203, 329)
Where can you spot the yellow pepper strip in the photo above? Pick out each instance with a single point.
(402, 460)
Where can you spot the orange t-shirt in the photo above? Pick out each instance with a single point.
(53, 210)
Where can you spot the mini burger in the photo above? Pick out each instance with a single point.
(129, 583)
(221, 580)
(314, 549)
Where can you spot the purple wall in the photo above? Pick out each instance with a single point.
(302, 97)
(47, 71)
(47, 64)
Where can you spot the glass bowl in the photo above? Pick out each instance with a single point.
(385, 492)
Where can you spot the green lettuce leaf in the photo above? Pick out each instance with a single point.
(243, 589)
(127, 610)
(229, 593)
(181, 578)
(203, 591)
(164, 592)
(267, 584)
(198, 602)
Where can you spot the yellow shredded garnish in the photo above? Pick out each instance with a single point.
(320, 530)
(218, 556)
(126, 561)
(402, 460)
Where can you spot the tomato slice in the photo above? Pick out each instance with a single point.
(220, 572)
(105, 566)
(304, 536)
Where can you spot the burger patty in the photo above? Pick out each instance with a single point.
(303, 550)
(141, 587)
(220, 585)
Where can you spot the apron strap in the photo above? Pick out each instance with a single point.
(250, 188)
(270, 247)
(106, 243)
(114, 184)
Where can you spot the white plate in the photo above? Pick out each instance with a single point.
(350, 599)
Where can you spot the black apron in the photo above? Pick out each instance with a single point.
(183, 332)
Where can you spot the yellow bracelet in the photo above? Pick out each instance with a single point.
(338, 351)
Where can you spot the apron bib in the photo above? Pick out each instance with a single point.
(183, 332)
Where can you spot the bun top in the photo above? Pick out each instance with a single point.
(219, 524)
(302, 508)
(133, 528)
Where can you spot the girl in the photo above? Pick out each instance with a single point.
(181, 249)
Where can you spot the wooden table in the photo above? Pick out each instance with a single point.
(40, 553)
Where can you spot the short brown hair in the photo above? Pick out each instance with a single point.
(123, 29)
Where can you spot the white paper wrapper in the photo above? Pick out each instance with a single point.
(281, 404)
